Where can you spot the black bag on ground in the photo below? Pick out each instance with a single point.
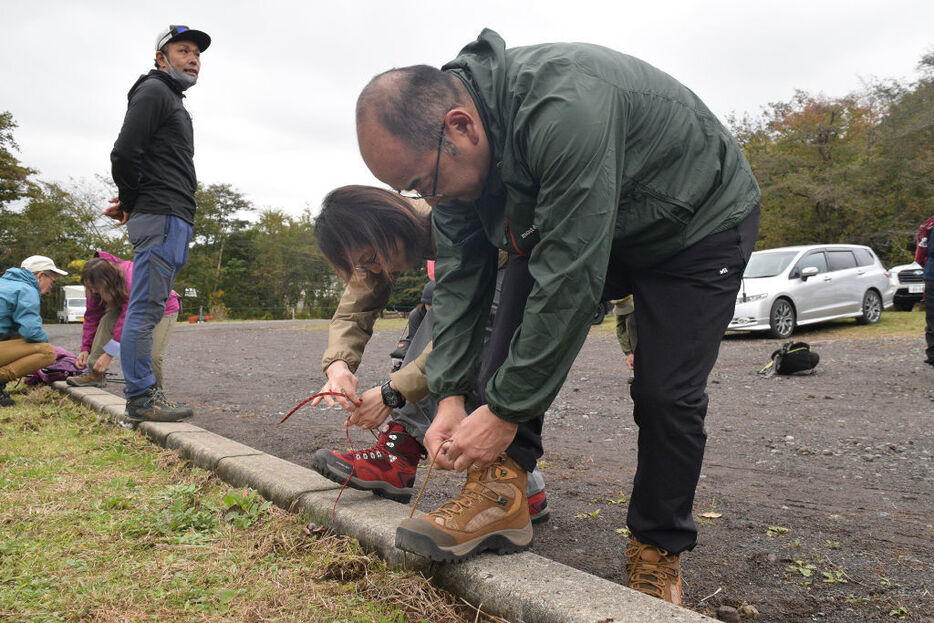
(791, 358)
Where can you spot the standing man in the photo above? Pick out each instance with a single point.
(926, 260)
(24, 344)
(153, 167)
(614, 179)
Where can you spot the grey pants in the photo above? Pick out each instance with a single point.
(160, 339)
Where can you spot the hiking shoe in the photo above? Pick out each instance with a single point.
(387, 469)
(88, 379)
(5, 399)
(155, 407)
(538, 508)
(490, 513)
(535, 492)
(653, 571)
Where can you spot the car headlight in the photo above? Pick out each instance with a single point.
(748, 298)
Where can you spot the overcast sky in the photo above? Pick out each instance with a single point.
(273, 109)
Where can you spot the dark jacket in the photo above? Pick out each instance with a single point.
(19, 306)
(152, 160)
(593, 152)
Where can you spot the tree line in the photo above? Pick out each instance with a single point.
(243, 262)
(857, 169)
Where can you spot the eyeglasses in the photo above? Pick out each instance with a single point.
(434, 187)
(367, 264)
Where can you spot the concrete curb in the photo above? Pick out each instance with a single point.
(523, 587)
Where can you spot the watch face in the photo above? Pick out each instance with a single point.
(391, 398)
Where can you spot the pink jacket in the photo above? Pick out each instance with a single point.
(96, 309)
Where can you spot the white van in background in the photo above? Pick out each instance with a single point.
(73, 304)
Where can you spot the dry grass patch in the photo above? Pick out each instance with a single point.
(97, 524)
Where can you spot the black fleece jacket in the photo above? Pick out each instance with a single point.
(152, 160)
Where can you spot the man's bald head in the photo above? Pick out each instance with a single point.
(410, 103)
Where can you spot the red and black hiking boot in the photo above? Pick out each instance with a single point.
(387, 469)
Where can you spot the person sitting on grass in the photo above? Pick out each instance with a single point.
(370, 235)
(107, 280)
(24, 344)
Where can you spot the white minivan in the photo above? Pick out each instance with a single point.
(792, 286)
(73, 304)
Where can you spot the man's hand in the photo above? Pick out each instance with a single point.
(340, 379)
(81, 361)
(115, 212)
(631, 361)
(451, 413)
(479, 440)
(102, 363)
(371, 412)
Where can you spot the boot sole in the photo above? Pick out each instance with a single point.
(502, 542)
(379, 488)
(155, 417)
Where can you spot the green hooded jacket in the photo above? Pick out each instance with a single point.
(593, 153)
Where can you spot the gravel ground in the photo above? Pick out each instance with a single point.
(817, 489)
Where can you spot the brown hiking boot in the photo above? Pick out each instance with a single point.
(490, 513)
(88, 379)
(653, 571)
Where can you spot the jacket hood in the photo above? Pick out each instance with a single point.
(21, 274)
(481, 66)
(108, 256)
(158, 75)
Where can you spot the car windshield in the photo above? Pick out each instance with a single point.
(768, 264)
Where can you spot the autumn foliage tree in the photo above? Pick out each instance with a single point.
(854, 169)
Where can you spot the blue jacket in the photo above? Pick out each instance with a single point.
(19, 305)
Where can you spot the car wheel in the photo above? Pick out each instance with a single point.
(872, 308)
(782, 319)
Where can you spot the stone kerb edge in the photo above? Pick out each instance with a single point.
(504, 585)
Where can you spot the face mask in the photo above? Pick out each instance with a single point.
(183, 80)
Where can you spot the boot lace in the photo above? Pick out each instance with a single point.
(468, 496)
(651, 578)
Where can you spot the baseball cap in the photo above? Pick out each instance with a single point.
(183, 33)
(39, 263)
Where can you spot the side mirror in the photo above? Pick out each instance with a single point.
(810, 271)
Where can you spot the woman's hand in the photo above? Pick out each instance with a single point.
(81, 361)
(372, 411)
(102, 363)
(340, 379)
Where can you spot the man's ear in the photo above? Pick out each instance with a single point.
(161, 60)
(463, 122)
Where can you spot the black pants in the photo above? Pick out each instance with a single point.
(682, 309)
(929, 317)
(514, 291)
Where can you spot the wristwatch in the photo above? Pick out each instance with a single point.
(391, 397)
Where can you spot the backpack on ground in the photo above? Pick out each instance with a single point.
(58, 370)
(792, 358)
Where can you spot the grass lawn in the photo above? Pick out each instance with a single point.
(96, 523)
